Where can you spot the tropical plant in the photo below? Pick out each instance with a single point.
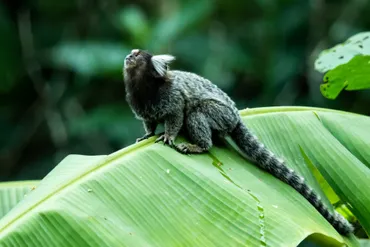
(11, 193)
(149, 195)
(347, 66)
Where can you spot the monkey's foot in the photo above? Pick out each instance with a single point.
(146, 136)
(187, 148)
(169, 140)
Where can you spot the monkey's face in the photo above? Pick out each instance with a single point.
(137, 59)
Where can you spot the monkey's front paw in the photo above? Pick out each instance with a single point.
(187, 148)
(146, 136)
(183, 148)
(169, 140)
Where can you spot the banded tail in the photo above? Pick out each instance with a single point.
(268, 161)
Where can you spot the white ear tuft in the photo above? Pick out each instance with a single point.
(160, 63)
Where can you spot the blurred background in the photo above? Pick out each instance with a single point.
(61, 89)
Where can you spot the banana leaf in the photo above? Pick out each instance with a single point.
(11, 193)
(147, 194)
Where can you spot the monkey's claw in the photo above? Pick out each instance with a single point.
(183, 148)
(168, 140)
(187, 148)
(146, 136)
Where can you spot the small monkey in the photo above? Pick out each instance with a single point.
(186, 101)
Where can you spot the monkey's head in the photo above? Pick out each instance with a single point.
(142, 62)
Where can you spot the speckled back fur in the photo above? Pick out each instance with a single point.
(196, 89)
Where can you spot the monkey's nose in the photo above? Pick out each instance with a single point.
(129, 56)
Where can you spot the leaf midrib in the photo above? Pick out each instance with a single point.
(118, 154)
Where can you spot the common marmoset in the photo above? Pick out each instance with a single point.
(186, 101)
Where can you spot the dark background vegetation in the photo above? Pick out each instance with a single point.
(61, 89)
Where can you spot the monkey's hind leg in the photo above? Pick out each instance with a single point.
(199, 133)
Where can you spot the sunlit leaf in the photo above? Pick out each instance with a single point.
(329, 59)
(353, 75)
(346, 66)
(150, 195)
(11, 193)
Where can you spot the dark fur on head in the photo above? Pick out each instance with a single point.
(143, 82)
(141, 63)
(138, 63)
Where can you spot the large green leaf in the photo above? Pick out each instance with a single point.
(150, 195)
(13, 192)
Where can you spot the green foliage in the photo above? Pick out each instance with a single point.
(11, 193)
(351, 76)
(149, 194)
(364, 242)
(134, 21)
(346, 65)
(9, 53)
(90, 58)
(61, 89)
(171, 26)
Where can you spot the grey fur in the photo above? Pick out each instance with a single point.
(188, 102)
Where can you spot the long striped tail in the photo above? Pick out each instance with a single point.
(268, 161)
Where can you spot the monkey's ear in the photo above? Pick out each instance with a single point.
(160, 63)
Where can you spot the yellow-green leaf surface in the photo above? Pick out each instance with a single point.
(150, 195)
(13, 192)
